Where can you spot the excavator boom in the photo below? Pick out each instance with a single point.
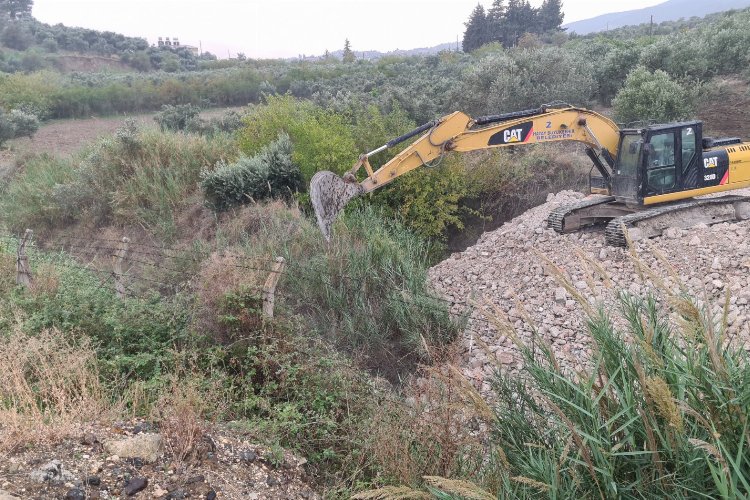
(459, 132)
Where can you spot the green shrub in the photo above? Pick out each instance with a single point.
(17, 124)
(176, 118)
(429, 200)
(34, 93)
(134, 177)
(366, 292)
(25, 124)
(321, 139)
(271, 173)
(135, 339)
(653, 96)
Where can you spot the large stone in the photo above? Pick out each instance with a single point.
(52, 470)
(146, 446)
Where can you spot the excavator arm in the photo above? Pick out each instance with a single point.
(459, 132)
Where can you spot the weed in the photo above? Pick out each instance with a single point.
(49, 387)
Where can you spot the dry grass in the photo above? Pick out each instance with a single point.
(49, 388)
(432, 436)
(181, 412)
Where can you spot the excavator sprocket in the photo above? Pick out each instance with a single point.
(329, 194)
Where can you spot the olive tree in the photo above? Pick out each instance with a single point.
(653, 96)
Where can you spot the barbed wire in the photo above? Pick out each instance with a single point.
(66, 260)
(356, 288)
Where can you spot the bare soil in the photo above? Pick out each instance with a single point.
(228, 466)
(66, 137)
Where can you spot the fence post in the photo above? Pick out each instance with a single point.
(23, 272)
(117, 271)
(269, 289)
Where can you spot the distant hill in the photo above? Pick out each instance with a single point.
(670, 10)
(374, 54)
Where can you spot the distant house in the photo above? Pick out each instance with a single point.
(174, 43)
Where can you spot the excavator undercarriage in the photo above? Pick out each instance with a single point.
(625, 223)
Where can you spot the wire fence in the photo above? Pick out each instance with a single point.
(94, 250)
(132, 274)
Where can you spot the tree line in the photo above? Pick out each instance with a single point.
(506, 24)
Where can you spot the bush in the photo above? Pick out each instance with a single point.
(653, 96)
(428, 200)
(271, 173)
(26, 124)
(321, 139)
(176, 118)
(135, 177)
(17, 124)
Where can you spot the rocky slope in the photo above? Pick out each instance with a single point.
(505, 273)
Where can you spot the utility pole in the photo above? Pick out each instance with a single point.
(651, 27)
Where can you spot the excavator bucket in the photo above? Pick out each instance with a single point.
(329, 194)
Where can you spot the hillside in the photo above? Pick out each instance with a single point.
(670, 10)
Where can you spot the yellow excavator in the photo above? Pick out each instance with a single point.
(651, 177)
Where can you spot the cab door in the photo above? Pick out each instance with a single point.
(625, 179)
(661, 164)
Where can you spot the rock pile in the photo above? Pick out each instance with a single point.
(506, 271)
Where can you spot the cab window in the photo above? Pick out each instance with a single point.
(689, 146)
(630, 151)
(662, 173)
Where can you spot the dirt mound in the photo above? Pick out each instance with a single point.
(506, 269)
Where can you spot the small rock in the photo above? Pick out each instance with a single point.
(89, 439)
(93, 480)
(248, 456)
(272, 481)
(135, 485)
(158, 492)
(561, 295)
(694, 241)
(200, 478)
(211, 495)
(75, 494)
(176, 495)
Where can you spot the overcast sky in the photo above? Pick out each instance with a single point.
(287, 28)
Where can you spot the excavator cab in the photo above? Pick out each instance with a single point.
(657, 160)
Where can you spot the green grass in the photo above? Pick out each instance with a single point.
(137, 177)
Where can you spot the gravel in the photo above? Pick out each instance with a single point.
(504, 273)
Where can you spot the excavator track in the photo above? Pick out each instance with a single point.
(615, 230)
(556, 218)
